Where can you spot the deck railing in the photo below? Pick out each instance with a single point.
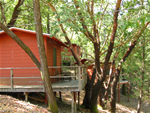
(30, 76)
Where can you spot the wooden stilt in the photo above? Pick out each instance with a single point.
(73, 108)
(78, 99)
(26, 96)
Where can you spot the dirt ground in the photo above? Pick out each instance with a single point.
(9, 104)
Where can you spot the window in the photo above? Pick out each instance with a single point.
(54, 57)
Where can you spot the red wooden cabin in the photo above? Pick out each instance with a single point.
(12, 56)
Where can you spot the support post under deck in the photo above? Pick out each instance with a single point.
(74, 106)
(78, 99)
(26, 96)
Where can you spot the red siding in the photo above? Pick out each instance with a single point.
(50, 45)
(12, 54)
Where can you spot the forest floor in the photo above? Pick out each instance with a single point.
(9, 104)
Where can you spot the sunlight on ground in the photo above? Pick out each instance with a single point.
(124, 108)
(68, 99)
(20, 109)
(100, 109)
(25, 105)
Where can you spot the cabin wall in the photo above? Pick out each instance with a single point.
(50, 44)
(12, 55)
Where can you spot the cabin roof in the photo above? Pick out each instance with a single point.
(33, 32)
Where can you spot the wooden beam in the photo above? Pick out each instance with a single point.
(78, 99)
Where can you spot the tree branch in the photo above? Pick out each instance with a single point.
(87, 33)
(15, 13)
(132, 45)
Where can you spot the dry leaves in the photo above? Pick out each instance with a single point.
(9, 105)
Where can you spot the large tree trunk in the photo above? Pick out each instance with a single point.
(45, 72)
(88, 90)
(94, 99)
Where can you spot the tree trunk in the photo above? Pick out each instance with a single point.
(113, 91)
(45, 72)
(88, 94)
(95, 93)
(88, 90)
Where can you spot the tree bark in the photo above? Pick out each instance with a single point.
(94, 99)
(45, 72)
(113, 91)
(88, 90)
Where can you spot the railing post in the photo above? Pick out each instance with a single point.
(79, 78)
(82, 73)
(11, 78)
